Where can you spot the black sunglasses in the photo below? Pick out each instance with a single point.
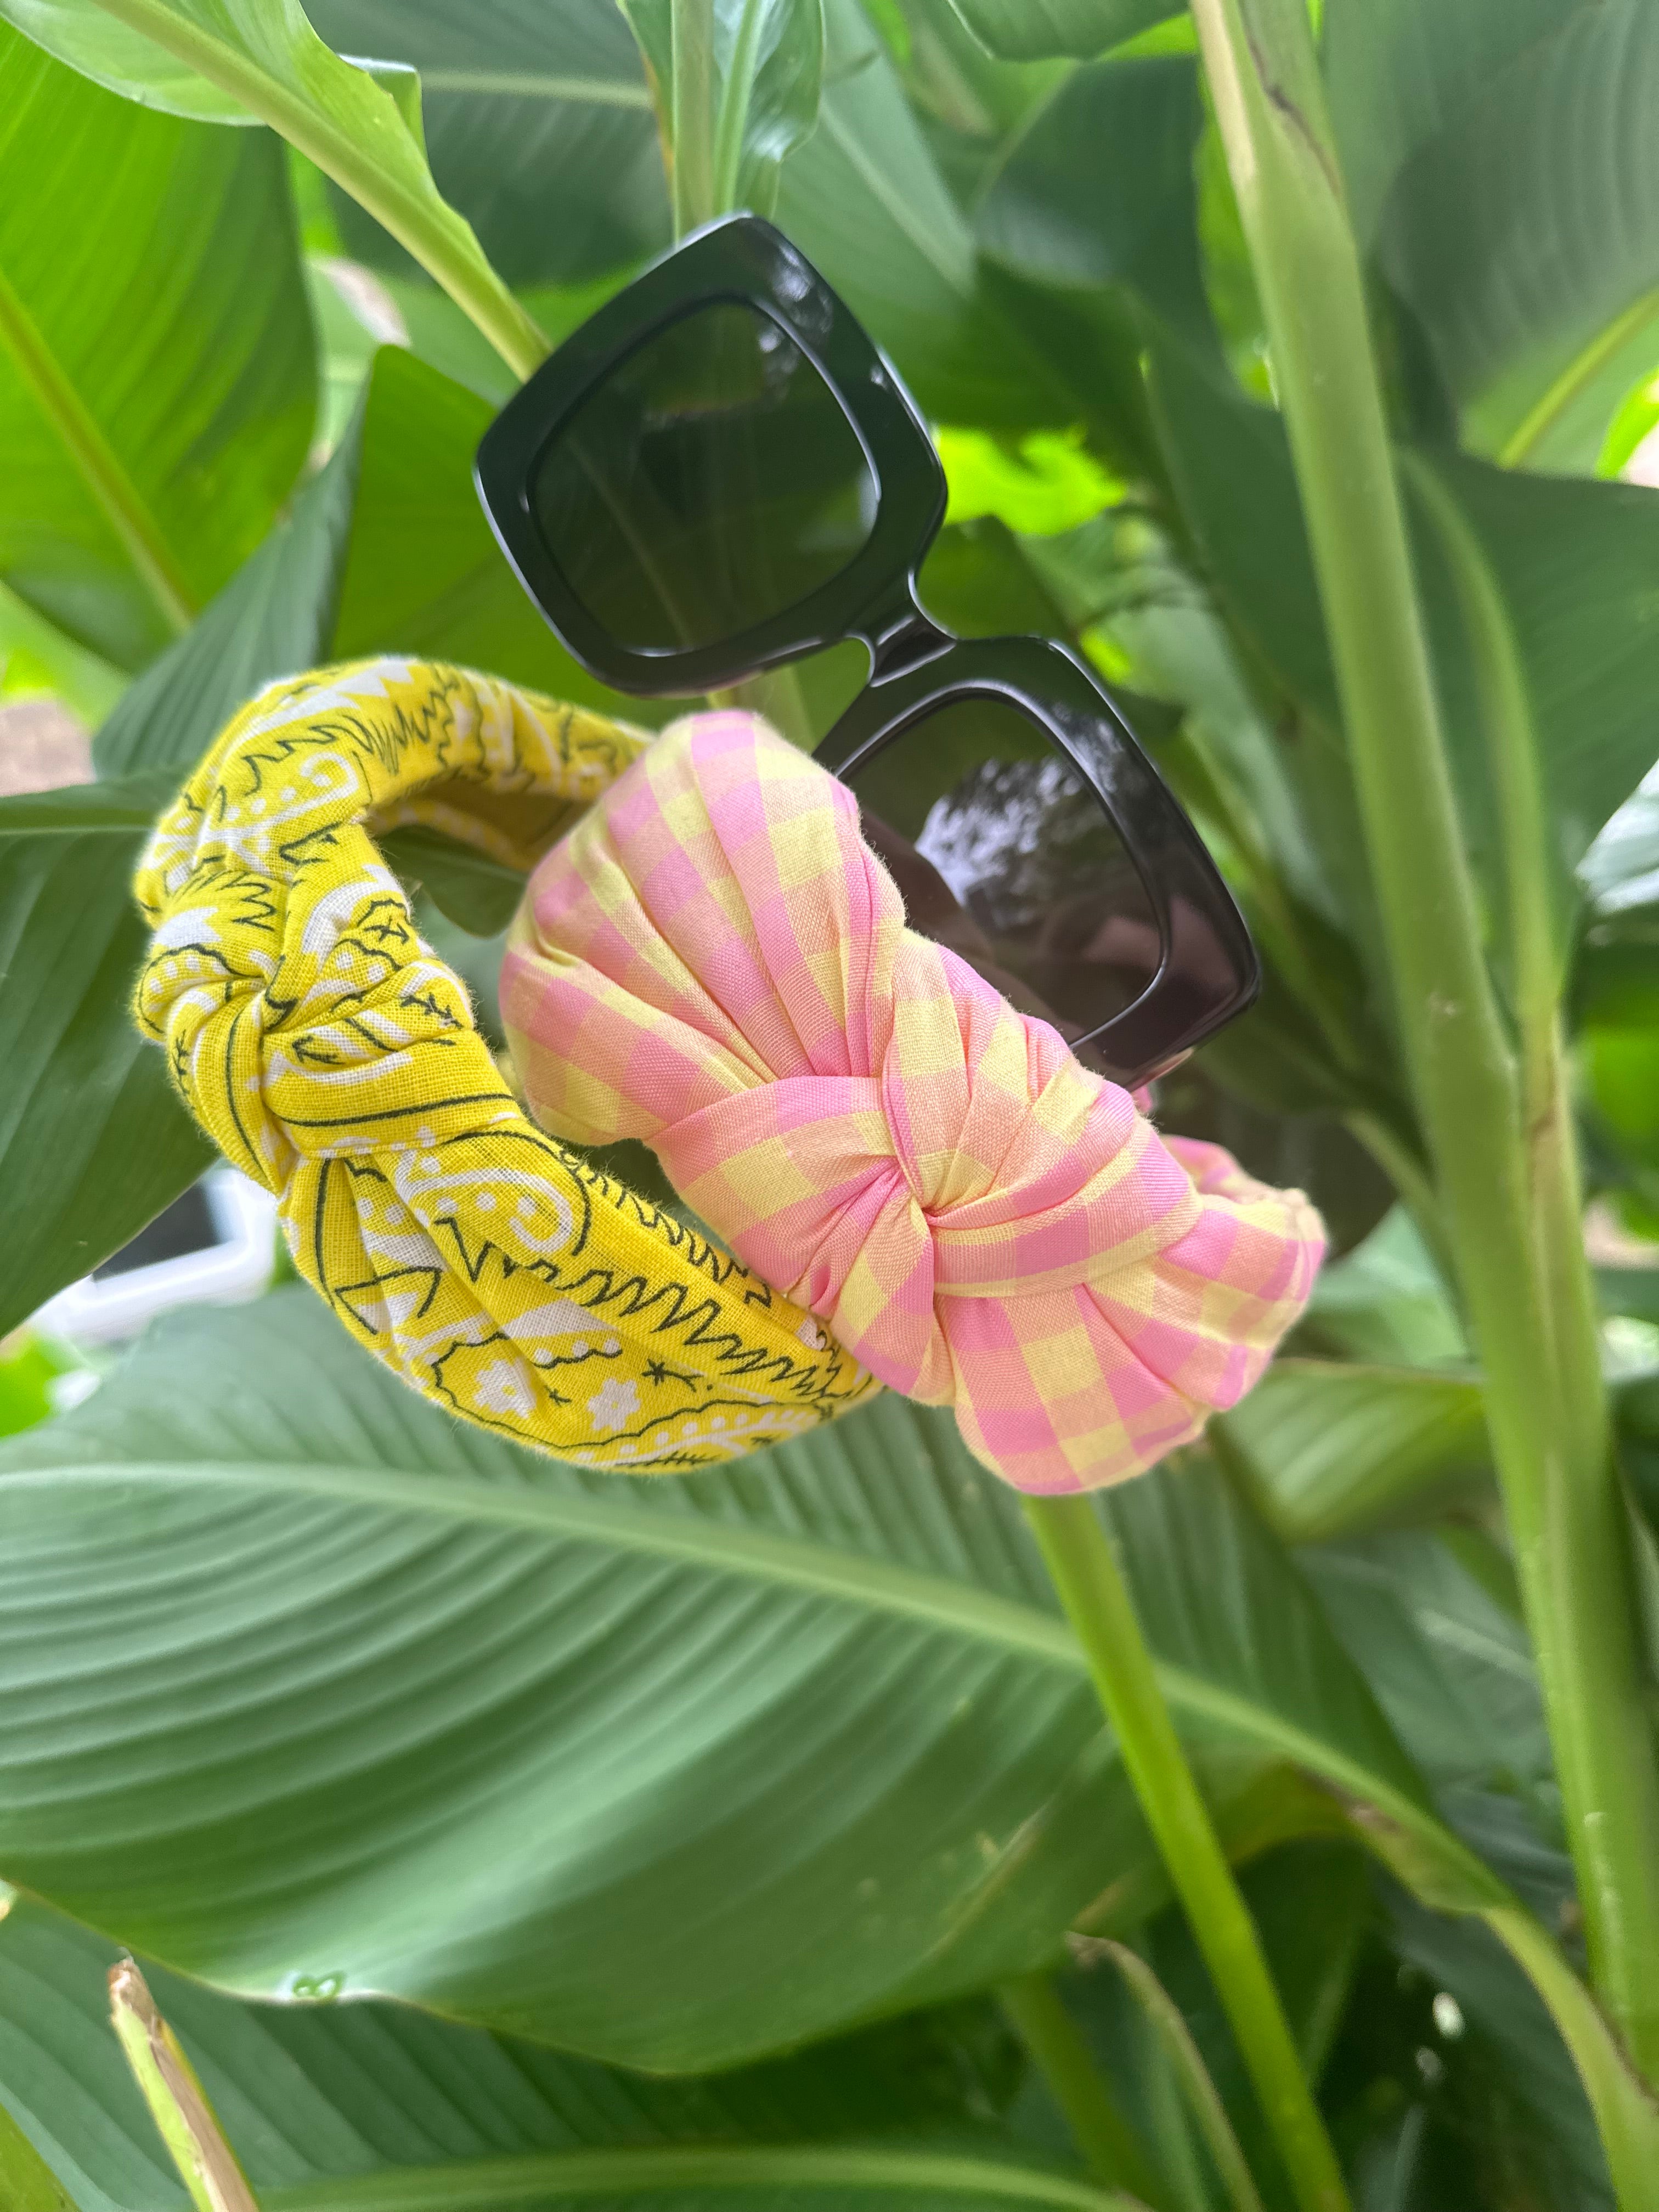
(718, 473)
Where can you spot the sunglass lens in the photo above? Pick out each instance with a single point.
(1003, 851)
(711, 482)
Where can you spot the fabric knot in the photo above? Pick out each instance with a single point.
(715, 963)
(335, 1058)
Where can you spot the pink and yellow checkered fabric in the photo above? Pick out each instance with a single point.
(714, 961)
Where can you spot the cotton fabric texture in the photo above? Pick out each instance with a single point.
(714, 961)
(334, 1059)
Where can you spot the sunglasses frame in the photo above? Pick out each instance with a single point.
(1208, 972)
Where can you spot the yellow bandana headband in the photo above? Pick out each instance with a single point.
(332, 1057)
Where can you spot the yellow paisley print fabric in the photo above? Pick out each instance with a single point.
(335, 1059)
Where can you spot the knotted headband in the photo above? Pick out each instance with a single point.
(334, 1059)
(716, 961)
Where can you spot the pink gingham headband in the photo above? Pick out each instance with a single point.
(713, 961)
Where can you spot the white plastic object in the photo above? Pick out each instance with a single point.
(236, 1265)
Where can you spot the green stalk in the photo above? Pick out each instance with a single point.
(1269, 104)
(1103, 2134)
(692, 123)
(1084, 1571)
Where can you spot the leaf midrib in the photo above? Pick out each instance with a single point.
(585, 91)
(135, 524)
(731, 1548)
(502, 2182)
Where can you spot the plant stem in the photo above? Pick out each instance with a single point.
(693, 122)
(1107, 2142)
(1269, 103)
(1084, 1571)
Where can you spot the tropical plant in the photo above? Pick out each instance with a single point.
(762, 1835)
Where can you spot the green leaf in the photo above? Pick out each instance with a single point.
(274, 618)
(1502, 168)
(263, 59)
(1384, 1303)
(120, 57)
(1098, 190)
(1029, 30)
(739, 82)
(865, 200)
(1569, 560)
(1449, 1664)
(481, 896)
(1329, 1449)
(156, 384)
(1574, 563)
(28, 2183)
(321, 2100)
(423, 575)
(1506, 2090)
(386, 551)
(589, 1759)
(530, 108)
(93, 1142)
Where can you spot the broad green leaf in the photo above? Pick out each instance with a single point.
(156, 386)
(978, 583)
(423, 574)
(1501, 162)
(1030, 30)
(93, 1140)
(1099, 192)
(386, 551)
(737, 84)
(1634, 422)
(1329, 1449)
(263, 58)
(27, 2182)
(1046, 485)
(274, 618)
(1385, 1304)
(1449, 1664)
(118, 56)
(479, 895)
(865, 200)
(589, 1759)
(539, 129)
(315, 2097)
(973, 106)
(1570, 561)
(1505, 2091)
(1573, 563)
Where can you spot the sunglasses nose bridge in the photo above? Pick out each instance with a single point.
(900, 636)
